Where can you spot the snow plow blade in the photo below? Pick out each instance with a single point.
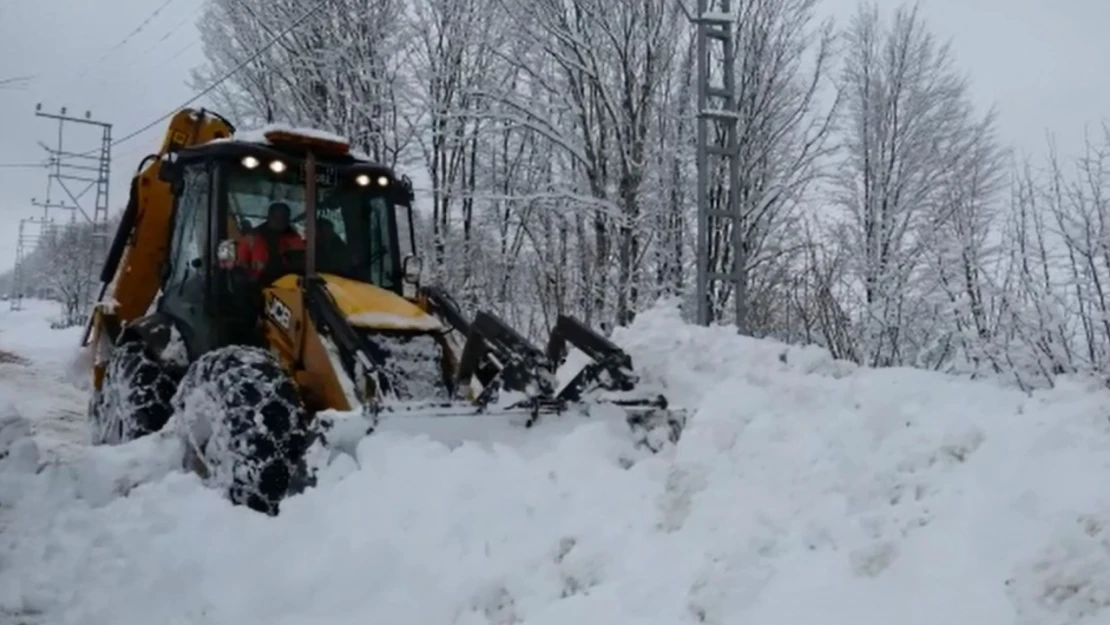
(493, 373)
(509, 376)
(456, 422)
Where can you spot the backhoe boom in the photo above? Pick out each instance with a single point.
(130, 275)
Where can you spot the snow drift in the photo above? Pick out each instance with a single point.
(804, 491)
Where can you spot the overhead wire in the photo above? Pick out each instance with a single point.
(145, 63)
(122, 42)
(21, 82)
(167, 37)
(200, 6)
(143, 66)
(227, 75)
(15, 82)
(196, 96)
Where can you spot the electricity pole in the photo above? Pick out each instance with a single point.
(92, 170)
(717, 110)
(26, 242)
(69, 170)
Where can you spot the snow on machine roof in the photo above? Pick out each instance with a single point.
(279, 135)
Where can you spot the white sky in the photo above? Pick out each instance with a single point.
(1042, 63)
(76, 50)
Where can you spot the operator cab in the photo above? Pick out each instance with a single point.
(224, 189)
(356, 227)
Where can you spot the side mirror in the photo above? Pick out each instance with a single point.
(404, 193)
(411, 268)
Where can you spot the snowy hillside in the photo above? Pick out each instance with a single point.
(805, 491)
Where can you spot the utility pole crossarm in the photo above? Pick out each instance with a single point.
(76, 173)
(67, 118)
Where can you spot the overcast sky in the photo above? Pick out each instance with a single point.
(85, 55)
(1043, 63)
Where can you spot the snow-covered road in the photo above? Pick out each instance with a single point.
(42, 381)
(805, 491)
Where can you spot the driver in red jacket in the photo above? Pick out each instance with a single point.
(270, 239)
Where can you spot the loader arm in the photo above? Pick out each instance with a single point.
(500, 359)
(354, 354)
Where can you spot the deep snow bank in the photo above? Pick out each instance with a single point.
(804, 491)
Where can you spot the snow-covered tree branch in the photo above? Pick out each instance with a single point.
(879, 213)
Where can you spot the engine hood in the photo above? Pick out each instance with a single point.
(367, 306)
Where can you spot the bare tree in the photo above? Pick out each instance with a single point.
(70, 252)
(964, 256)
(602, 66)
(910, 136)
(1055, 314)
(1032, 339)
(339, 70)
(454, 57)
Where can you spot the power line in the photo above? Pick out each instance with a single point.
(142, 67)
(144, 62)
(20, 83)
(140, 27)
(166, 61)
(119, 44)
(269, 44)
(147, 65)
(15, 82)
(175, 29)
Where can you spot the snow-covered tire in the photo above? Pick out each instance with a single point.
(244, 426)
(134, 399)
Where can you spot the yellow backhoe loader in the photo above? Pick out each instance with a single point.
(251, 364)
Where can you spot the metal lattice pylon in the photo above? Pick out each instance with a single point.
(30, 235)
(70, 169)
(717, 107)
